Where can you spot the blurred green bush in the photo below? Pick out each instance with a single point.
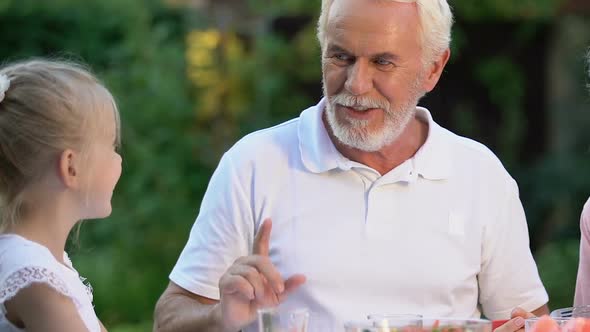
(137, 48)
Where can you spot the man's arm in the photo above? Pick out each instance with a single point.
(250, 282)
(542, 310)
(182, 311)
(509, 275)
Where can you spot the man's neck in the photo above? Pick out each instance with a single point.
(391, 155)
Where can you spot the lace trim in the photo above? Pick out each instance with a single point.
(88, 288)
(29, 275)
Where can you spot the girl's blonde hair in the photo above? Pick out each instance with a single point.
(50, 106)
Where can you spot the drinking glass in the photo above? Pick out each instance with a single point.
(432, 324)
(282, 320)
(530, 322)
(363, 326)
(397, 322)
(581, 311)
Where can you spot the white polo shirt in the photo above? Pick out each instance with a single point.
(443, 234)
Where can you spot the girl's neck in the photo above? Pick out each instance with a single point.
(48, 224)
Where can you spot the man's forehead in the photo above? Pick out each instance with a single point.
(345, 25)
(367, 21)
(373, 4)
(372, 15)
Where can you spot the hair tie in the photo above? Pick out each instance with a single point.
(4, 85)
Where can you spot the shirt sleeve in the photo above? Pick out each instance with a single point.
(509, 276)
(582, 295)
(222, 232)
(24, 265)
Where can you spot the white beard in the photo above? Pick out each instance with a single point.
(357, 134)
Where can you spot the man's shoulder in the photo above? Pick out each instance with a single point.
(283, 135)
(472, 152)
(469, 146)
(267, 147)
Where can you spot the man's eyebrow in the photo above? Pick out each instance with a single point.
(336, 48)
(386, 55)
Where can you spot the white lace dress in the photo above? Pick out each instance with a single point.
(23, 262)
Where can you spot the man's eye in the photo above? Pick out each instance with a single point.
(342, 57)
(383, 62)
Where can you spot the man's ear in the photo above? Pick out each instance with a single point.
(435, 70)
(69, 168)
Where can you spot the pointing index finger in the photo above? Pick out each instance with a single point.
(262, 239)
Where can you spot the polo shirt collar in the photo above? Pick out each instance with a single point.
(318, 153)
(432, 161)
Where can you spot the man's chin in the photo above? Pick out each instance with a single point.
(359, 140)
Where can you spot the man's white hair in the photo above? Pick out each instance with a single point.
(436, 20)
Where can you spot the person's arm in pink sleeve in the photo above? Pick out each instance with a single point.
(582, 295)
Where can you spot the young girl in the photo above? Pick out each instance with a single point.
(59, 129)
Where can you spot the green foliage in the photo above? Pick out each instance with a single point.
(285, 7)
(558, 266)
(505, 9)
(505, 83)
(556, 188)
(283, 68)
(141, 327)
(137, 48)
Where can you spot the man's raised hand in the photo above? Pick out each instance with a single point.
(253, 282)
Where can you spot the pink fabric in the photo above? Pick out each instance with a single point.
(583, 282)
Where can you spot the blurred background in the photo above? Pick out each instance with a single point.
(191, 77)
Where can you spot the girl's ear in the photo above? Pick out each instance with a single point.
(69, 168)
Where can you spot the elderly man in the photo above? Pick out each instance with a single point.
(375, 207)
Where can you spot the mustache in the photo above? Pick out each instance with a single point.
(359, 102)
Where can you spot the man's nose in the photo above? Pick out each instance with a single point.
(359, 78)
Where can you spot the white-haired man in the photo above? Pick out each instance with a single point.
(375, 208)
